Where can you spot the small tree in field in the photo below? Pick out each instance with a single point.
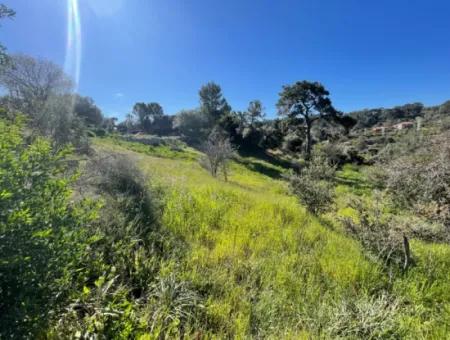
(218, 152)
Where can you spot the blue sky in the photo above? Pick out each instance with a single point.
(367, 53)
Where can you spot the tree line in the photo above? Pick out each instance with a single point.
(45, 94)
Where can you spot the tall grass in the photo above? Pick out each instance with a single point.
(264, 267)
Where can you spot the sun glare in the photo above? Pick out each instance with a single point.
(73, 47)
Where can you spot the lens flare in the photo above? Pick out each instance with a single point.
(73, 48)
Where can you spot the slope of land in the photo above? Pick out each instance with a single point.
(264, 267)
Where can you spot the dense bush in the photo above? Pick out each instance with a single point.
(72, 268)
(173, 142)
(124, 285)
(43, 239)
(313, 185)
(292, 143)
(315, 195)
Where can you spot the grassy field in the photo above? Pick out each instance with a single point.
(266, 268)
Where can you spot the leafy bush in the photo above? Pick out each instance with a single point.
(173, 142)
(313, 185)
(42, 233)
(99, 132)
(334, 153)
(72, 268)
(315, 195)
(292, 142)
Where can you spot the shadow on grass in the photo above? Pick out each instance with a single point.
(274, 169)
(359, 185)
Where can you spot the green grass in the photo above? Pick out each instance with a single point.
(351, 179)
(267, 268)
(163, 151)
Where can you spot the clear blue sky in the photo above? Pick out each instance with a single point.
(367, 53)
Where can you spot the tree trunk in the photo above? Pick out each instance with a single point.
(225, 172)
(308, 139)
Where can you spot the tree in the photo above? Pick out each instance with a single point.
(5, 12)
(218, 151)
(128, 125)
(272, 134)
(146, 114)
(162, 125)
(346, 121)
(212, 102)
(109, 123)
(192, 125)
(86, 109)
(32, 82)
(40, 89)
(255, 112)
(308, 101)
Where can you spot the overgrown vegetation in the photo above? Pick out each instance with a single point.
(314, 185)
(43, 234)
(321, 229)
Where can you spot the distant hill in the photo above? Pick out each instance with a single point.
(368, 118)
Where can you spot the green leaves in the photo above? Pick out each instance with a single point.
(41, 231)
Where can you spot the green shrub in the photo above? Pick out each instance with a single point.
(317, 196)
(42, 233)
(124, 293)
(100, 132)
(313, 185)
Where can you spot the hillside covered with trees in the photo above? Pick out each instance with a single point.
(216, 223)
